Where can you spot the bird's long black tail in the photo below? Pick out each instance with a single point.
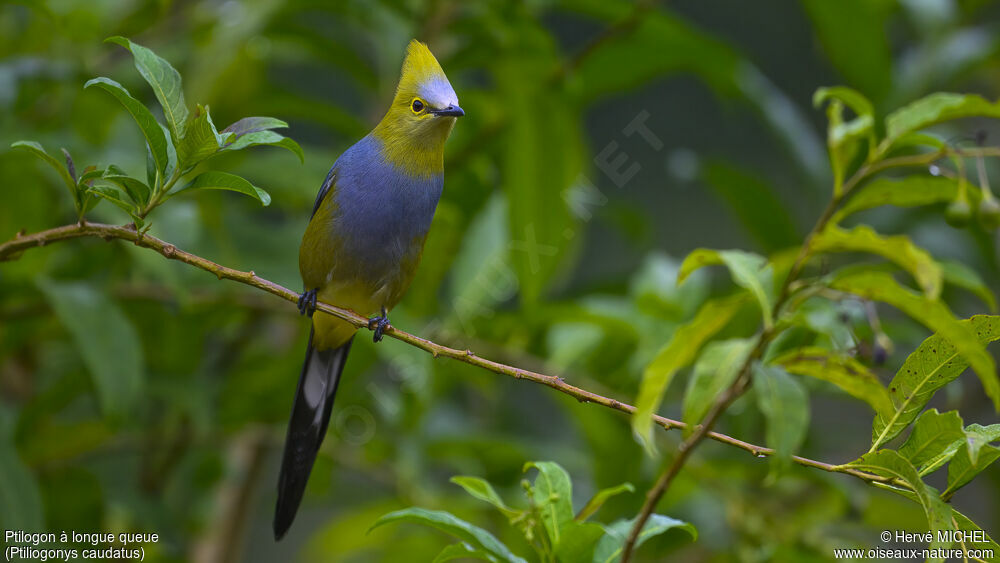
(307, 427)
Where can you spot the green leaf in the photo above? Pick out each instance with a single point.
(115, 195)
(962, 469)
(552, 493)
(165, 81)
(450, 524)
(898, 249)
(270, 138)
(150, 128)
(853, 99)
(935, 315)
(932, 435)
(137, 190)
(254, 124)
(977, 436)
(845, 372)
(890, 464)
(932, 109)
(215, 180)
(59, 167)
(909, 191)
(483, 490)
(20, 500)
(578, 541)
(943, 457)
(844, 139)
(679, 352)
(101, 331)
(609, 548)
(747, 270)
(958, 274)
(785, 405)
(537, 180)
(963, 523)
(200, 141)
(462, 551)
(598, 500)
(716, 369)
(931, 366)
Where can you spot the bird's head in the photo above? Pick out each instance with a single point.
(423, 111)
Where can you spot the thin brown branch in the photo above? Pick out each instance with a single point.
(12, 248)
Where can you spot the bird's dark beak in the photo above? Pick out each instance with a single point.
(450, 111)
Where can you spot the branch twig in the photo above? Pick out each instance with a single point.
(12, 248)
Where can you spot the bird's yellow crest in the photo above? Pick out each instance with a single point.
(419, 68)
(422, 115)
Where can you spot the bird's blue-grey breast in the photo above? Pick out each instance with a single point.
(382, 212)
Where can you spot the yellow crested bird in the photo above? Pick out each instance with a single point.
(362, 246)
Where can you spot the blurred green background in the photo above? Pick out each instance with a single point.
(603, 141)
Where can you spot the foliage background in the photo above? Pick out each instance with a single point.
(547, 88)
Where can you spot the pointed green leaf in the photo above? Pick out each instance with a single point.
(943, 457)
(137, 191)
(935, 315)
(101, 331)
(165, 81)
(538, 182)
(462, 551)
(270, 138)
(609, 548)
(845, 372)
(716, 369)
(115, 195)
(909, 191)
(59, 167)
(932, 436)
(977, 436)
(932, 365)
(200, 141)
(215, 180)
(844, 138)
(450, 524)
(254, 124)
(483, 490)
(890, 464)
(962, 469)
(747, 270)
(785, 405)
(898, 249)
(679, 352)
(853, 99)
(963, 523)
(578, 541)
(598, 500)
(935, 108)
(143, 117)
(552, 493)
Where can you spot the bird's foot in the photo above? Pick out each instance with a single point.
(378, 325)
(307, 303)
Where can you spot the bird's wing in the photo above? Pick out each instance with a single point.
(328, 183)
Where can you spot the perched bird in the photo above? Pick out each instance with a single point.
(362, 247)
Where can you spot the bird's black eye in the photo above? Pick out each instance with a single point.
(418, 106)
